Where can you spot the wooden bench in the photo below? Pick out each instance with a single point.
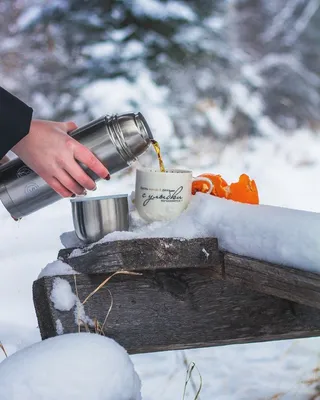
(181, 294)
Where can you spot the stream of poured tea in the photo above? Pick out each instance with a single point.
(156, 147)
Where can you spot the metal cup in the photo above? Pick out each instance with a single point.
(95, 217)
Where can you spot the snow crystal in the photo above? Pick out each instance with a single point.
(275, 234)
(62, 296)
(204, 251)
(59, 327)
(75, 366)
(57, 268)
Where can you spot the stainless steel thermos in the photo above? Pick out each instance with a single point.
(116, 140)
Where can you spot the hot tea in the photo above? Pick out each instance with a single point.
(158, 151)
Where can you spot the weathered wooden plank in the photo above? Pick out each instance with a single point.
(172, 254)
(170, 310)
(43, 307)
(276, 280)
(147, 254)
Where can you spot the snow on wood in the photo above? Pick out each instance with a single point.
(202, 300)
(274, 234)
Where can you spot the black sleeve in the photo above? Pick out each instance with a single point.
(15, 120)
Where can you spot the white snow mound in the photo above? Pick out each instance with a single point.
(77, 366)
(276, 234)
(57, 267)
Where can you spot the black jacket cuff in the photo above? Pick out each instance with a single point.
(15, 120)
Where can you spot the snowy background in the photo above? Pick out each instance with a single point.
(228, 87)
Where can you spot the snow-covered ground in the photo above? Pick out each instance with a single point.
(286, 170)
(57, 367)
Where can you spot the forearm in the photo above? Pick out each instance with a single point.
(15, 120)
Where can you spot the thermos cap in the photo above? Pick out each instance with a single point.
(130, 133)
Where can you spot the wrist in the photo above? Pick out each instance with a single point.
(18, 147)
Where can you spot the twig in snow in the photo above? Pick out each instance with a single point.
(3, 349)
(190, 369)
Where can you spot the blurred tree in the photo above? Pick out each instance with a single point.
(180, 42)
(279, 42)
(225, 64)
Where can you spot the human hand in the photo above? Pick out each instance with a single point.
(50, 152)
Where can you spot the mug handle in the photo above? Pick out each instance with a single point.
(206, 180)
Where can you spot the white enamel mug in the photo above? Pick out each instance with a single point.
(163, 196)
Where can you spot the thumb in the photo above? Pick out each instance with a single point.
(70, 126)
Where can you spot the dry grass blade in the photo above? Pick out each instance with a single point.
(100, 330)
(106, 281)
(192, 366)
(86, 326)
(110, 308)
(3, 349)
(98, 327)
(277, 396)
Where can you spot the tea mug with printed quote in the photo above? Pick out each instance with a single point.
(163, 196)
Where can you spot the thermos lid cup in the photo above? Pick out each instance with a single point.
(95, 217)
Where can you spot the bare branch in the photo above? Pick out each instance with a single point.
(309, 11)
(291, 62)
(279, 22)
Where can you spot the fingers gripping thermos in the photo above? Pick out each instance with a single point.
(116, 140)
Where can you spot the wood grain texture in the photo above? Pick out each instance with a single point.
(179, 309)
(147, 254)
(277, 280)
(44, 308)
(172, 254)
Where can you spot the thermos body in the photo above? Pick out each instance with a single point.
(116, 140)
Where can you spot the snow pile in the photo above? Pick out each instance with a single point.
(75, 366)
(59, 327)
(64, 299)
(62, 295)
(57, 268)
(275, 234)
